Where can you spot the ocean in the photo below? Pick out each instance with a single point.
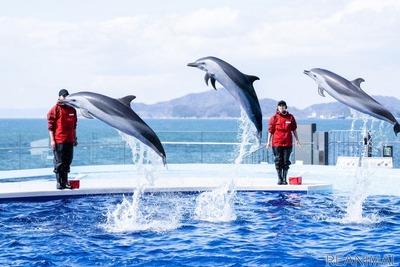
(24, 142)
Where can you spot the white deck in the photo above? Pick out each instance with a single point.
(124, 179)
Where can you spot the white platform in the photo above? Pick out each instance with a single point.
(124, 179)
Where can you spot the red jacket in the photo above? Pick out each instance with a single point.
(62, 121)
(281, 127)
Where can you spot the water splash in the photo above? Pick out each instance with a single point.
(361, 177)
(131, 215)
(146, 160)
(218, 205)
(246, 137)
(354, 209)
(135, 215)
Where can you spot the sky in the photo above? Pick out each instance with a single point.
(141, 48)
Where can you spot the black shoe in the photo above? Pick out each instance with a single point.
(284, 174)
(279, 171)
(59, 182)
(67, 186)
(64, 181)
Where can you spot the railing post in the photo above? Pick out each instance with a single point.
(201, 146)
(19, 151)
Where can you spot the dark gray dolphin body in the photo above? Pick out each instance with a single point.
(118, 114)
(239, 85)
(351, 94)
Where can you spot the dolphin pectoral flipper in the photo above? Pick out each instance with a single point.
(321, 91)
(213, 82)
(357, 83)
(206, 78)
(126, 101)
(210, 77)
(85, 113)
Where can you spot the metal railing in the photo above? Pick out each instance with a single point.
(27, 157)
(116, 151)
(352, 143)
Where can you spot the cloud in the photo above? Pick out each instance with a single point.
(147, 52)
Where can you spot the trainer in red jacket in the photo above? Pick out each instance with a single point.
(62, 121)
(280, 127)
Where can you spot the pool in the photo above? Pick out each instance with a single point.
(358, 223)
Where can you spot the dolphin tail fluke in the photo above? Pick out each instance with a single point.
(396, 128)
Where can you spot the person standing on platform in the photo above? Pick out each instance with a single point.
(281, 126)
(62, 121)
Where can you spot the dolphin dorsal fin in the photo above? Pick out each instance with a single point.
(357, 82)
(126, 101)
(85, 113)
(321, 91)
(251, 78)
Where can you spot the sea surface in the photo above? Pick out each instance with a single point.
(217, 228)
(24, 142)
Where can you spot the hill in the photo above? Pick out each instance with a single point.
(210, 104)
(207, 104)
(221, 104)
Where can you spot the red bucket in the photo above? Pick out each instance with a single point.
(295, 180)
(74, 183)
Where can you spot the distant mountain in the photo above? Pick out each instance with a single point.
(221, 104)
(209, 104)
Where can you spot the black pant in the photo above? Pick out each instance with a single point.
(282, 157)
(63, 154)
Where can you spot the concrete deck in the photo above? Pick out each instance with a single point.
(124, 179)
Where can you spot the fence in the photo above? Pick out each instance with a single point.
(358, 143)
(119, 152)
(113, 150)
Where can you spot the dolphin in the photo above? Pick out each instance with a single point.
(239, 85)
(351, 94)
(118, 114)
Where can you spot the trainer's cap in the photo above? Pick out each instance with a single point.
(282, 103)
(63, 92)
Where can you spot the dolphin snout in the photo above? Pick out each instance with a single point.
(192, 64)
(306, 72)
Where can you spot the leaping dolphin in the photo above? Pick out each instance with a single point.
(239, 85)
(351, 94)
(118, 114)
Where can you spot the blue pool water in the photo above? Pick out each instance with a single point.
(270, 229)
